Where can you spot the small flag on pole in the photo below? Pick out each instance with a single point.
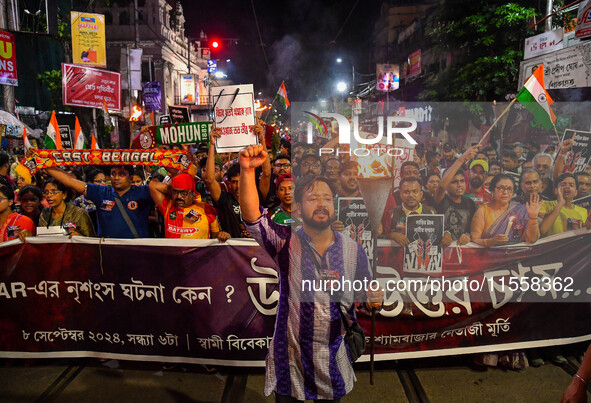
(93, 143)
(282, 93)
(26, 140)
(536, 99)
(53, 139)
(79, 141)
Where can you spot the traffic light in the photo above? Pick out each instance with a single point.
(215, 44)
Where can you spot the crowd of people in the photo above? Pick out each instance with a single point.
(488, 196)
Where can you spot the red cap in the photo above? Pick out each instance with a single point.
(283, 177)
(183, 181)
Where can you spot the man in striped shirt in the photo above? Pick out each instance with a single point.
(308, 359)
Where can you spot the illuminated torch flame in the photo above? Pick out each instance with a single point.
(137, 112)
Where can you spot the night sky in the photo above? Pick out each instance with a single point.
(301, 38)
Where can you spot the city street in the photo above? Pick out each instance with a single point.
(428, 380)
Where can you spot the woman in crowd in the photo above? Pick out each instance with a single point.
(431, 182)
(30, 200)
(12, 225)
(74, 220)
(504, 221)
(499, 222)
(138, 178)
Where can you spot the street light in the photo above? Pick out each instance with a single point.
(341, 86)
(339, 60)
(220, 74)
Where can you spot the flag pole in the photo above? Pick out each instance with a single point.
(270, 108)
(557, 136)
(496, 120)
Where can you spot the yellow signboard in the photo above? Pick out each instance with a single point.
(88, 39)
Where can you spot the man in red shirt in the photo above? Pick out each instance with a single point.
(185, 215)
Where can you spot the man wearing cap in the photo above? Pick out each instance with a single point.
(185, 215)
(449, 156)
(310, 165)
(476, 177)
(282, 213)
(450, 200)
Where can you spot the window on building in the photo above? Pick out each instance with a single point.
(124, 18)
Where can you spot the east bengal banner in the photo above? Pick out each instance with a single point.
(199, 301)
(153, 157)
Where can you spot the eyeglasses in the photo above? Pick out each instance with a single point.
(314, 165)
(502, 189)
(51, 192)
(183, 193)
(286, 165)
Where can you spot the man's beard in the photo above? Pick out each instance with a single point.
(315, 224)
(475, 183)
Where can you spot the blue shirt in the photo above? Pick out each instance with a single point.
(111, 224)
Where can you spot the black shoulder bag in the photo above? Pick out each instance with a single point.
(126, 216)
(354, 336)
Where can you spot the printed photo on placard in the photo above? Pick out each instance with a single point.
(423, 254)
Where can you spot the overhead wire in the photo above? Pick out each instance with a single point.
(256, 21)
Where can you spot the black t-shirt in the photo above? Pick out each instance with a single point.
(458, 216)
(229, 213)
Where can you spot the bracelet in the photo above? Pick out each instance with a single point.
(577, 376)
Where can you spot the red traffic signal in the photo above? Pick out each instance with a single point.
(214, 44)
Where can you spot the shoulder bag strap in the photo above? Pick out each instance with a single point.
(317, 265)
(125, 216)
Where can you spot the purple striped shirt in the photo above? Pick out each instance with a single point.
(308, 358)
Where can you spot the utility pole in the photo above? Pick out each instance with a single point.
(549, 8)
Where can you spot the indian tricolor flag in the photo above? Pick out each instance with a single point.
(93, 143)
(282, 93)
(53, 139)
(534, 97)
(26, 139)
(79, 141)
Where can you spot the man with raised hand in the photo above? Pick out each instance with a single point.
(122, 209)
(450, 200)
(308, 358)
(185, 215)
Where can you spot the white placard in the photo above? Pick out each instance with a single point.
(51, 231)
(566, 68)
(234, 116)
(541, 44)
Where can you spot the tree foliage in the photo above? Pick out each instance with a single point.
(485, 41)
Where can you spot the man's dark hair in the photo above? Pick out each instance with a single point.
(128, 168)
(407, 163)
(233, 171)
(563, 177)
(77, 174)
(307, 183)
(281, 157)
(512, 155)
(429, 155)
(582, 173)
(7, 192)
(348, 165)
(409, 180)
(497, 178)
(4, 158)
(429, 175)
(93, 174)
(30, 189)
(494, 162)
(487, 149)
(286, 144)
(139, 172)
